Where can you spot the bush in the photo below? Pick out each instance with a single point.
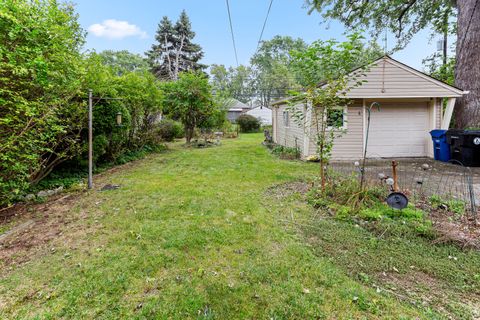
(286, 153)
(248, 123)
(168, 130)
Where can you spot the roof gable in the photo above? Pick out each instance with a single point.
(389, 78)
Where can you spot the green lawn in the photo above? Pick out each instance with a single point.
(194, 234)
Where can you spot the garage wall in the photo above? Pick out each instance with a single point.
(287, 135)
(350, 144)
(438, 113)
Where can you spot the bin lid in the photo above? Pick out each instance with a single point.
(456, 132)
(438, 133)
(472, 132)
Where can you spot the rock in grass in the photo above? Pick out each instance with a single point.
(30, 197)
(42, 194)
(110, 187)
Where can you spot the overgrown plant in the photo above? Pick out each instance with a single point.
(325, 69)
(44, 80)
(189, 100)
(40, 71)
(248, 123)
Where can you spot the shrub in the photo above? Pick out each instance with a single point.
(248, 123)
(286, 152)
(168, 130)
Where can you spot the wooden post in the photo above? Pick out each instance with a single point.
(394, 174)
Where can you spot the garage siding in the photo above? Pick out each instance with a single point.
(350, 144)
(385, 79)
(438, 113)
(291, 135)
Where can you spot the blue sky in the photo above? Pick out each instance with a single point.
(131, 25)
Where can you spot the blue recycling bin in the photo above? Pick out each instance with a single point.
(441, 149)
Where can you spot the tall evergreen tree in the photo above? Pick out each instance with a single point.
(174, 50)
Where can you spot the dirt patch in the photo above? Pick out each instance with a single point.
(43, 222)
(466, 234)
(284, 190)
(462, 230)
(422, 289)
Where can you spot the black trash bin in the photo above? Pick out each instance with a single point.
(465, 146)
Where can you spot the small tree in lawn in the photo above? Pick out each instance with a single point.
(189, 100)
(325, 69)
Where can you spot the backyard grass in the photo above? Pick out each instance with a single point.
(195, 233)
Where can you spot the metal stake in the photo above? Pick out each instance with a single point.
(90, 140)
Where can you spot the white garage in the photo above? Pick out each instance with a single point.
(410, 106)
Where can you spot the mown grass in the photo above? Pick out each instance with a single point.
(191, 234)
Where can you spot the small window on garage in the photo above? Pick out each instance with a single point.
(337, 118)
(286, 118)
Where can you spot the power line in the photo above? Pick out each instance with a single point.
(231, 31)
(264, 24)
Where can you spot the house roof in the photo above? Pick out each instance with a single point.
(238, 105)
(388, 78)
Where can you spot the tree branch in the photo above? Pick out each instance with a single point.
(402, 14)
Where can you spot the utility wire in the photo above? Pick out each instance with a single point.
(264, 24)
(231, 31)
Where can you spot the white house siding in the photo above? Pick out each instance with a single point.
(350, 144)
(264, 114)
(293, 134)
(389, 79)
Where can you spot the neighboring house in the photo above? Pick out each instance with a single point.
(410, 107)
(263, 114)
(236, 109)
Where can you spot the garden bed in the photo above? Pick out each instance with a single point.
(409, 254)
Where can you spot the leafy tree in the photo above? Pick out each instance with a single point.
(273, 77)
(325, 67)
(142, 96)
(124, 61)
(232, 82)
(190, 101)
(40, 71)
(438, 69)
(140, 106)
(406, 18)
(174, 51)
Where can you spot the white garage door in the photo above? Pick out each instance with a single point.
(399, 130)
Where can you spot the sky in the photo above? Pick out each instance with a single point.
(131, 25)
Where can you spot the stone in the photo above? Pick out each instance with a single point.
(29, 197)
(42, 194)
(110, 187)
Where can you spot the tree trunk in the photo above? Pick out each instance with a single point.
(467, 69)
(189, 134)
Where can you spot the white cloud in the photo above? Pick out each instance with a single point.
(116, 29)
